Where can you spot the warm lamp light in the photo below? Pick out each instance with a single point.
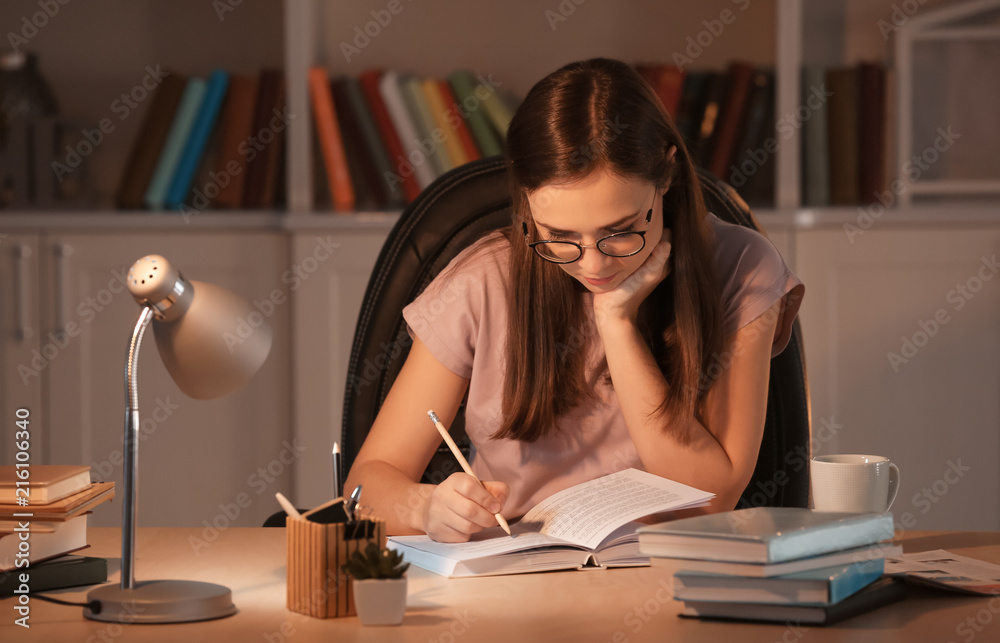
(191, 321)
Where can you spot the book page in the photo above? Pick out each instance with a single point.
(586, 513)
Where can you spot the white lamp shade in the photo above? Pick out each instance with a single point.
(216, 346)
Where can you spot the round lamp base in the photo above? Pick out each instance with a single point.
(161, 601)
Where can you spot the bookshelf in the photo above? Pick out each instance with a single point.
(517, 42)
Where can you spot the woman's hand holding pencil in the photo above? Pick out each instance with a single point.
(462, 504)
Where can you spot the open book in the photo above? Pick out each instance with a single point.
(587, 525)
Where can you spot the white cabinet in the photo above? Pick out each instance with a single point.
(20, 328)
(333, 267)
(903, 349)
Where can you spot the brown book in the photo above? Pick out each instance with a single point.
(667, 81)
(842, 134)
(370, 190)
(44, 483)
(739, 77)
(871, 124)
(266, 148)
(65, 508)
(235, 123)
(149, 143)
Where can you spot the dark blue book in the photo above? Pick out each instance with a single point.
(824, 586)
(201, 129)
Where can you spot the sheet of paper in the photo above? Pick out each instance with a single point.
(587, 513)
(943, 568)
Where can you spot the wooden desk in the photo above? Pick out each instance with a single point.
(578, 606)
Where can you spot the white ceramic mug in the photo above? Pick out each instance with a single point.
(853, 483)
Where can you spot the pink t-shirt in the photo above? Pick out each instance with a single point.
(461, 318)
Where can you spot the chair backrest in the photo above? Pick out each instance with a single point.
(471, 201)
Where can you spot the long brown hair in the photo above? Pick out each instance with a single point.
(589, 115)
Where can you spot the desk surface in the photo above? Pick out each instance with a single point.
(579, 606)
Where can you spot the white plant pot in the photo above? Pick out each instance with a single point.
(380, 601)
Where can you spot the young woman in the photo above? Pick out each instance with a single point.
(614, 324)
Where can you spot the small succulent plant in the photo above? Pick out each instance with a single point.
(375, 563)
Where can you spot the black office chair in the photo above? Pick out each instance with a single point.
(460, 207)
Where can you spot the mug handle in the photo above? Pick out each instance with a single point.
(893, 484)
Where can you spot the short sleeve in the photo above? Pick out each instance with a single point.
(754, 277)
(450, 315)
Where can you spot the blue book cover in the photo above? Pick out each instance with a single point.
(201, 130)
(824, 586)
(180, 129)
(763, 534)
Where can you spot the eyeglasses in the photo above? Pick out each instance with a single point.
(617, 244)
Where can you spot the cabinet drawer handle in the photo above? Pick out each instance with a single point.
(23, 331)
(62, 250)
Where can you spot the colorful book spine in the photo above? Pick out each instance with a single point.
(368, 189)
(450, 147)
(454, 116)
(416, 104)
(464, 85)
(173, 147)
(399, 168)
(364, 116)
(201, 129)
(815, 153)
(331, 142)
(236, 123)
(391, 89)
(149, 142)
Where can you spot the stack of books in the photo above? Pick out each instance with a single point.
(45, 520)
(776, 564)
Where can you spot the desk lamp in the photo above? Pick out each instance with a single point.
(192, 322)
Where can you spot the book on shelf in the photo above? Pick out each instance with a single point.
(739, 77)
(433, 151)
(42, 483)
(763, 534)
(149, 142)
(766, 570)
(843, 134)
(454, 117)
(464, 86)
(57, 573)
(815, 152)
(265, 156)
(236, 122)
(392, 95)
(752, 169)
(871, 132)
(879, 593)
(370, 81)
(587, 525)
(180, 128)
(330, 140)
(391, 192)
(668, 83)
(368, 191)
(823, 586)
(439, 111)
(194, 147)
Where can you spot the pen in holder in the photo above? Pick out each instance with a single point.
(319, 543)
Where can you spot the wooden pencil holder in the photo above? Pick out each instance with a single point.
(316, 584)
